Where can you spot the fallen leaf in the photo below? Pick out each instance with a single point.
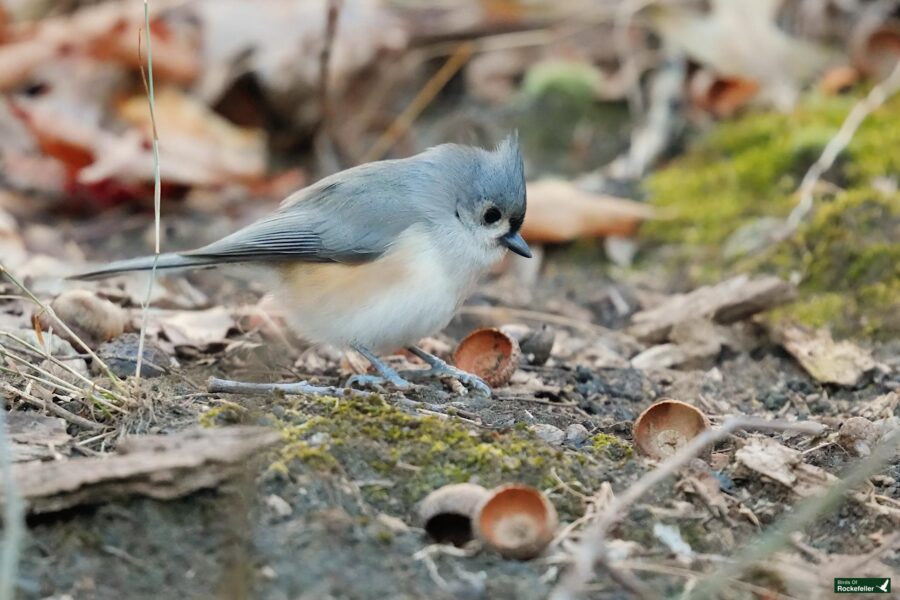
(742, 40)
(107, 30)
(766, 456)
(560, 212)
(842, 363)
(197, 328)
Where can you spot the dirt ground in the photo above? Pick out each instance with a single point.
(331, 512)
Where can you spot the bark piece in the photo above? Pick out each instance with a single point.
(726, 302)
(159, 466)
(34, 436)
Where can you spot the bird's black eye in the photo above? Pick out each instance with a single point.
(492, 215)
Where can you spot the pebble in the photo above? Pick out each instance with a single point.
(576, 434)
(278, 505)
(857, 436)
(550, 434)
(120, 355)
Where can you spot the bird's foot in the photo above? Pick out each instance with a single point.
(439, 369)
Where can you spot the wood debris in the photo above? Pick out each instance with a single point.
(766, 456)
(35, 437)
(730, 301)
(159, 466)
(841, 363)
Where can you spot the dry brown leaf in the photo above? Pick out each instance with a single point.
(560, 212)
(766, 456)
(107, 30)
(742, 40)
(198, 328)
(280, 41)
(841, 363)
(208, 141)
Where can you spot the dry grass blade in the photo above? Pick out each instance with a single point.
(13, 516)
(157, 182)
(862, 109)
(62, 364)
(53, 409)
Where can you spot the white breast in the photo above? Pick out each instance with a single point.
(411, 292)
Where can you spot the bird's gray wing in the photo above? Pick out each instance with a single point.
(352, 218)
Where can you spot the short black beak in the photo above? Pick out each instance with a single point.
(516, 243)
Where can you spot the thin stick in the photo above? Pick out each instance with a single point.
(157, 182)
(331, 20)
(53, 408)
(429, 91)
(49, 310)
(593, 546)
(13, 516)
(227, 386)
(877, 96)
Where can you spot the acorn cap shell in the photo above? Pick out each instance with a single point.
(490, 354)
(447, 512)
(517, 521)
(666, 426)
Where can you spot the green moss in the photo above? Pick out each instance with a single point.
(574, 79)
(366, 438)
(611, 447)
(846, 257)
(227, 413)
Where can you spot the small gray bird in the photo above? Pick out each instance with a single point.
(381, 255)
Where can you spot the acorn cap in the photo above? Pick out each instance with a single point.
(447, 512)
(666, 426)
(517, 521)
(490, 354)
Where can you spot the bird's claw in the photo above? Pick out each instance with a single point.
(444, 370)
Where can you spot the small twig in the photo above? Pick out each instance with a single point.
(227, 386)
(877, 96)
(157, 183)
(54, 409)
(593, 546)
(13, 515)
(429, 91)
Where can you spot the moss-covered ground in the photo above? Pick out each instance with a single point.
(737, 180)
(366, 438)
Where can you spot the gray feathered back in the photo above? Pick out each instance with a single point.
(354, 216)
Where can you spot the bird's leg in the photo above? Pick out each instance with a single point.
(439, 368)
(387, 374)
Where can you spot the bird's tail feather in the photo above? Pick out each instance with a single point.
(145, 263)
